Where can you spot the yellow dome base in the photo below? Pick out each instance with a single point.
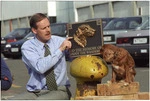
(88, 71)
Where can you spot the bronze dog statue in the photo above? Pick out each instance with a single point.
(122, 63)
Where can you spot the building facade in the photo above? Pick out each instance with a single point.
(16, 14)
(82, 10)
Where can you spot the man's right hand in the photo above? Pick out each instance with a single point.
(66, 44)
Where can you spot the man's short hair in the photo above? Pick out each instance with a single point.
(36, 18)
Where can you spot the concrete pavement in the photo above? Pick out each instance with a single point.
(21, 76)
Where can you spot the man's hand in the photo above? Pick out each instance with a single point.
(66, 44)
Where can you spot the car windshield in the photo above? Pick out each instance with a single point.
(17, 32)
(59, 30)
(114, 24)
(29, 35)
(125, 23)
(144, 26)
(105, 21)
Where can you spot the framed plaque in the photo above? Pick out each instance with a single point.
(87, 38)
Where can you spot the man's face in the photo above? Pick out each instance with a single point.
(43, 31)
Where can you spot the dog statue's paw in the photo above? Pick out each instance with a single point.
(109, 82)
(126, 84)
(113, 81)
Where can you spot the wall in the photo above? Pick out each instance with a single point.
(95, 9)
(13, 9)
(65, 11)
(16, 14)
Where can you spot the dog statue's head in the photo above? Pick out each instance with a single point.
(108, 52)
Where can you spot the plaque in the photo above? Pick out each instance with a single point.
(87, 38)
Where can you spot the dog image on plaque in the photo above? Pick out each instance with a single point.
(83, 31)
(87, 38)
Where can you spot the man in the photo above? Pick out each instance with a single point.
(38, 64)
(6, 78)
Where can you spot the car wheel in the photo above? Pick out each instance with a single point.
(6, 55)
(16, 56)
(142, 63)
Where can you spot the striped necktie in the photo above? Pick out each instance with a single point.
(50, 76)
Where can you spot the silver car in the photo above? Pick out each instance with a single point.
(137, 43)
(120, 25)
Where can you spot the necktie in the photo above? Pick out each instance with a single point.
(50, 77)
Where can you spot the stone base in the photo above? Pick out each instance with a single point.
(121, 88)
(144, 95)
(138, 96)
(87, 89)
(116, 91)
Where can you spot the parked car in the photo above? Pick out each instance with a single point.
(120, 25)
(13, 49)
(59, 29)
(105, 21)
(137, 43)
(15, 35)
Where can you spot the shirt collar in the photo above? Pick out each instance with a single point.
(41, 44)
